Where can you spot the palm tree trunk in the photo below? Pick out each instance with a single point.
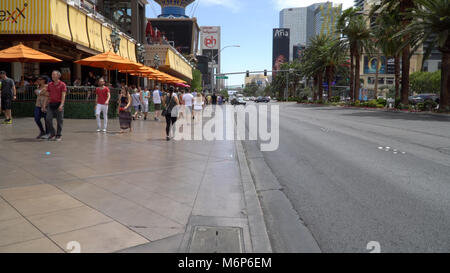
(397, 75)
(315, 88)
(405, 6)
(352, 75)
(444, 100)
(320, 79)
(377, 74)
(330, 81)
(357, 74)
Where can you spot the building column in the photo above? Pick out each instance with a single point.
(77, 69)
(135, 19)
(16, 67)
(36, 66)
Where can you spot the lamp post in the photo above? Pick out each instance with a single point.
(141, 53)
(212, 64)
(115, 40)
(156, 61)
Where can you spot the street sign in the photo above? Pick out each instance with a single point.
(222, 77)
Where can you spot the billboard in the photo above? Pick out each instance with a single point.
(370, 65)
(280, 53)
(298, 51)
(210, 38)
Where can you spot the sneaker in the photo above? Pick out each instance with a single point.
(98, 130)
(40, 136)
(7, 121)
(104, 130)
(48, 137)
(156, 119)
(168, 138)
(58, 138)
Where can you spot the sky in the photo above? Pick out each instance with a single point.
(246, 23)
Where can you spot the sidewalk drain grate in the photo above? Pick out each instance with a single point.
(216, 240)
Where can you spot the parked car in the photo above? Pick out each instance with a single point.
(262, 99)
(421, 98)
(238, 101)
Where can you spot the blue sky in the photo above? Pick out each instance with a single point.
(247, 23)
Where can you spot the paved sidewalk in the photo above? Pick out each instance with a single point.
(111, 192)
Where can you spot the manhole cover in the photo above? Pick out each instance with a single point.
(216, 240)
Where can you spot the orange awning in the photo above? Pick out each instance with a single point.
(109, 61)
(23, 54)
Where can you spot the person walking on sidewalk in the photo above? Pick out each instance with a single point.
(124, 110)
(199, 102)
(40, 109)
(157, 95)
(171, 110)
(9, 94)
(188, 100)
(57, 93)
(137, 103)
(145, 97)
(103, 96)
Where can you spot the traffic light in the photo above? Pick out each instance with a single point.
(265, 72)
(247, 74)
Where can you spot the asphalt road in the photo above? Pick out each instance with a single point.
(349, 188)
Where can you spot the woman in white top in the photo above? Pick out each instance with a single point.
(198, 105)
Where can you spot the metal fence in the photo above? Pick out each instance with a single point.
(74, 93)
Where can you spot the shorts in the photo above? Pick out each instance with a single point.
(6, 102)
(158, 106)
(145, 107)
(137, 108)
(188, 109)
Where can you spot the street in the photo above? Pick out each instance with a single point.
(356, 176)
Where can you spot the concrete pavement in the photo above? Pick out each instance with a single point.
(123, 193)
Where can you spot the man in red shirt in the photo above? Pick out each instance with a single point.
(57, 96)
(103, 97)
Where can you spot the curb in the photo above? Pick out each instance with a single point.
(258, 231)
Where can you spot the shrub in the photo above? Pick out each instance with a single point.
(382, 102)
(335, 99)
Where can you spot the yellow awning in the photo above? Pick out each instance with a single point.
(123, 51)
(132, 51)
(106, 39)
(95, 34)
(77, 22)
(60, 23)
(174, 62)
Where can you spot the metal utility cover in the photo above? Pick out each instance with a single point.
(216, 240)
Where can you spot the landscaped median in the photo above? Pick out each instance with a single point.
(428, 106)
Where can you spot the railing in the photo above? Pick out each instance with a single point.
(74, 93)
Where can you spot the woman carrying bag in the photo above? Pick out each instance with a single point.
(171, 103)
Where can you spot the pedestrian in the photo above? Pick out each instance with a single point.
(145, 98)
(188, 100)
(40, 108)
(124, 110)
(57, 97)
(137, 102)
(9, 93)
(171, 103)
(157, 95)
(214, 99)
(199, 101)
(103, 95)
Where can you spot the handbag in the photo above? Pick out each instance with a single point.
(165, 112)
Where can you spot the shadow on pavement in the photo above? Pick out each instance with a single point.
(25, 140)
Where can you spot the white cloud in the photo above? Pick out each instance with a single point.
(233, 5)
(281, 4)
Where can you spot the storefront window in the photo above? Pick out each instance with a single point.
(119, 12)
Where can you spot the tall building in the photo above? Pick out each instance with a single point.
(306, 22)
(326, 17)
(359, 3)
(300, 21)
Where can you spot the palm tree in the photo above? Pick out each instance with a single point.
(385, 30)
(353, 27)
(430, 21)
(333, 56)
(404, 7)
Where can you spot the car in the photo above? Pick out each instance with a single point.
(262, 99)
(238, 101)
(421, 98)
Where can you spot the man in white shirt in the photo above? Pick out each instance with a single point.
(188, 99)
(157, 94)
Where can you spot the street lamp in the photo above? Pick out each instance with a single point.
(156, 61)
(141, 52)
(212, 64)
(115, 40)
